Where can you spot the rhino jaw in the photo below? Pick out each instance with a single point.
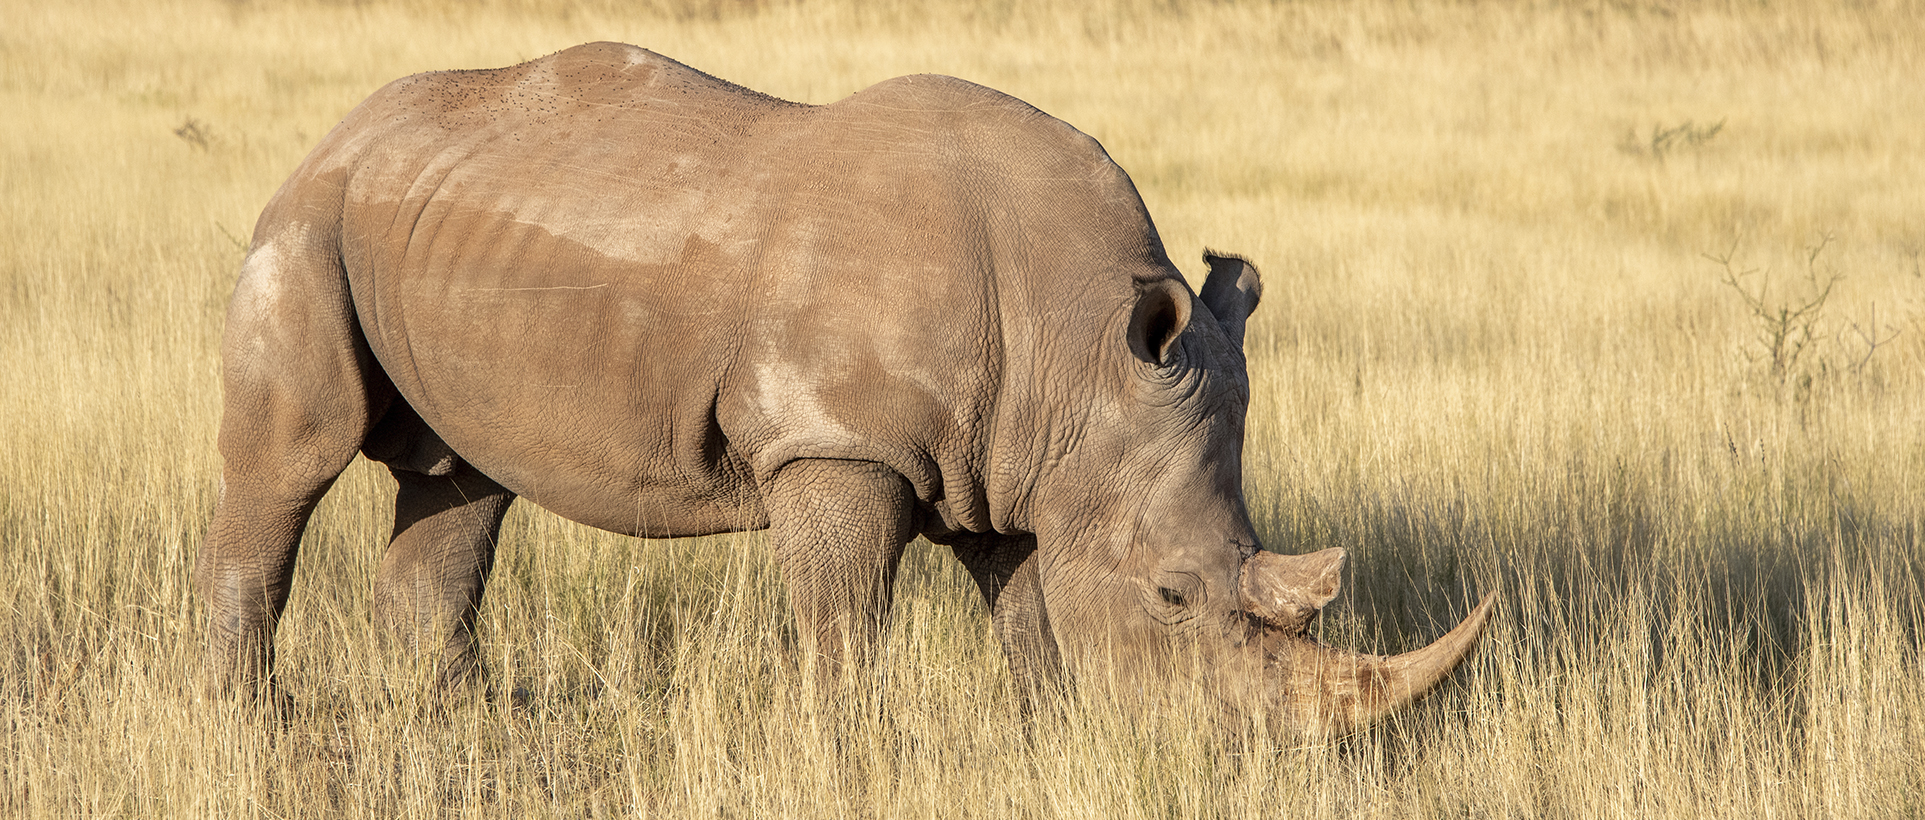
(1316, 691)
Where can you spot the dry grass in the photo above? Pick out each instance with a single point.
(1493, 357)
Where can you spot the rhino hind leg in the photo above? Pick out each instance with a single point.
(429, 585)
(838, 530)
(301, 390)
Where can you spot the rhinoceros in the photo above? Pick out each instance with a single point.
(663, 305)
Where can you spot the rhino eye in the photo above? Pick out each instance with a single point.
(1174, 597)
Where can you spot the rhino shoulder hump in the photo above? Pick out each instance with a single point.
(998, 129)
(941, 94)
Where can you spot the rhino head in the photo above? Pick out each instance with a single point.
(1148, 562)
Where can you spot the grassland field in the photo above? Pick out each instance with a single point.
(1615, 308)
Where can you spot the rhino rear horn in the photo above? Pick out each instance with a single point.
(1231, 292)
(1286, 591)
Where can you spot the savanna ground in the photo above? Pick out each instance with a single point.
(1499, 351)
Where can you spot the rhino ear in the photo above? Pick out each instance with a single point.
(1231, 292)
(1162, 311)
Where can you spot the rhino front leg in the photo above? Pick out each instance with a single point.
(1004, 567)
(839, 528)
(429, 586)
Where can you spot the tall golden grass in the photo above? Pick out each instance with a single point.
(1494, 355)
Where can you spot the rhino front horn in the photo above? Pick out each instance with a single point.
(1349, 690)
(1326, 692)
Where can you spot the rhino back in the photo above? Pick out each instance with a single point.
(628, 291)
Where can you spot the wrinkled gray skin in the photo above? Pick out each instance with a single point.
(663, 305)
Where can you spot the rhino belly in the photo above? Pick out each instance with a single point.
(583, 383)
